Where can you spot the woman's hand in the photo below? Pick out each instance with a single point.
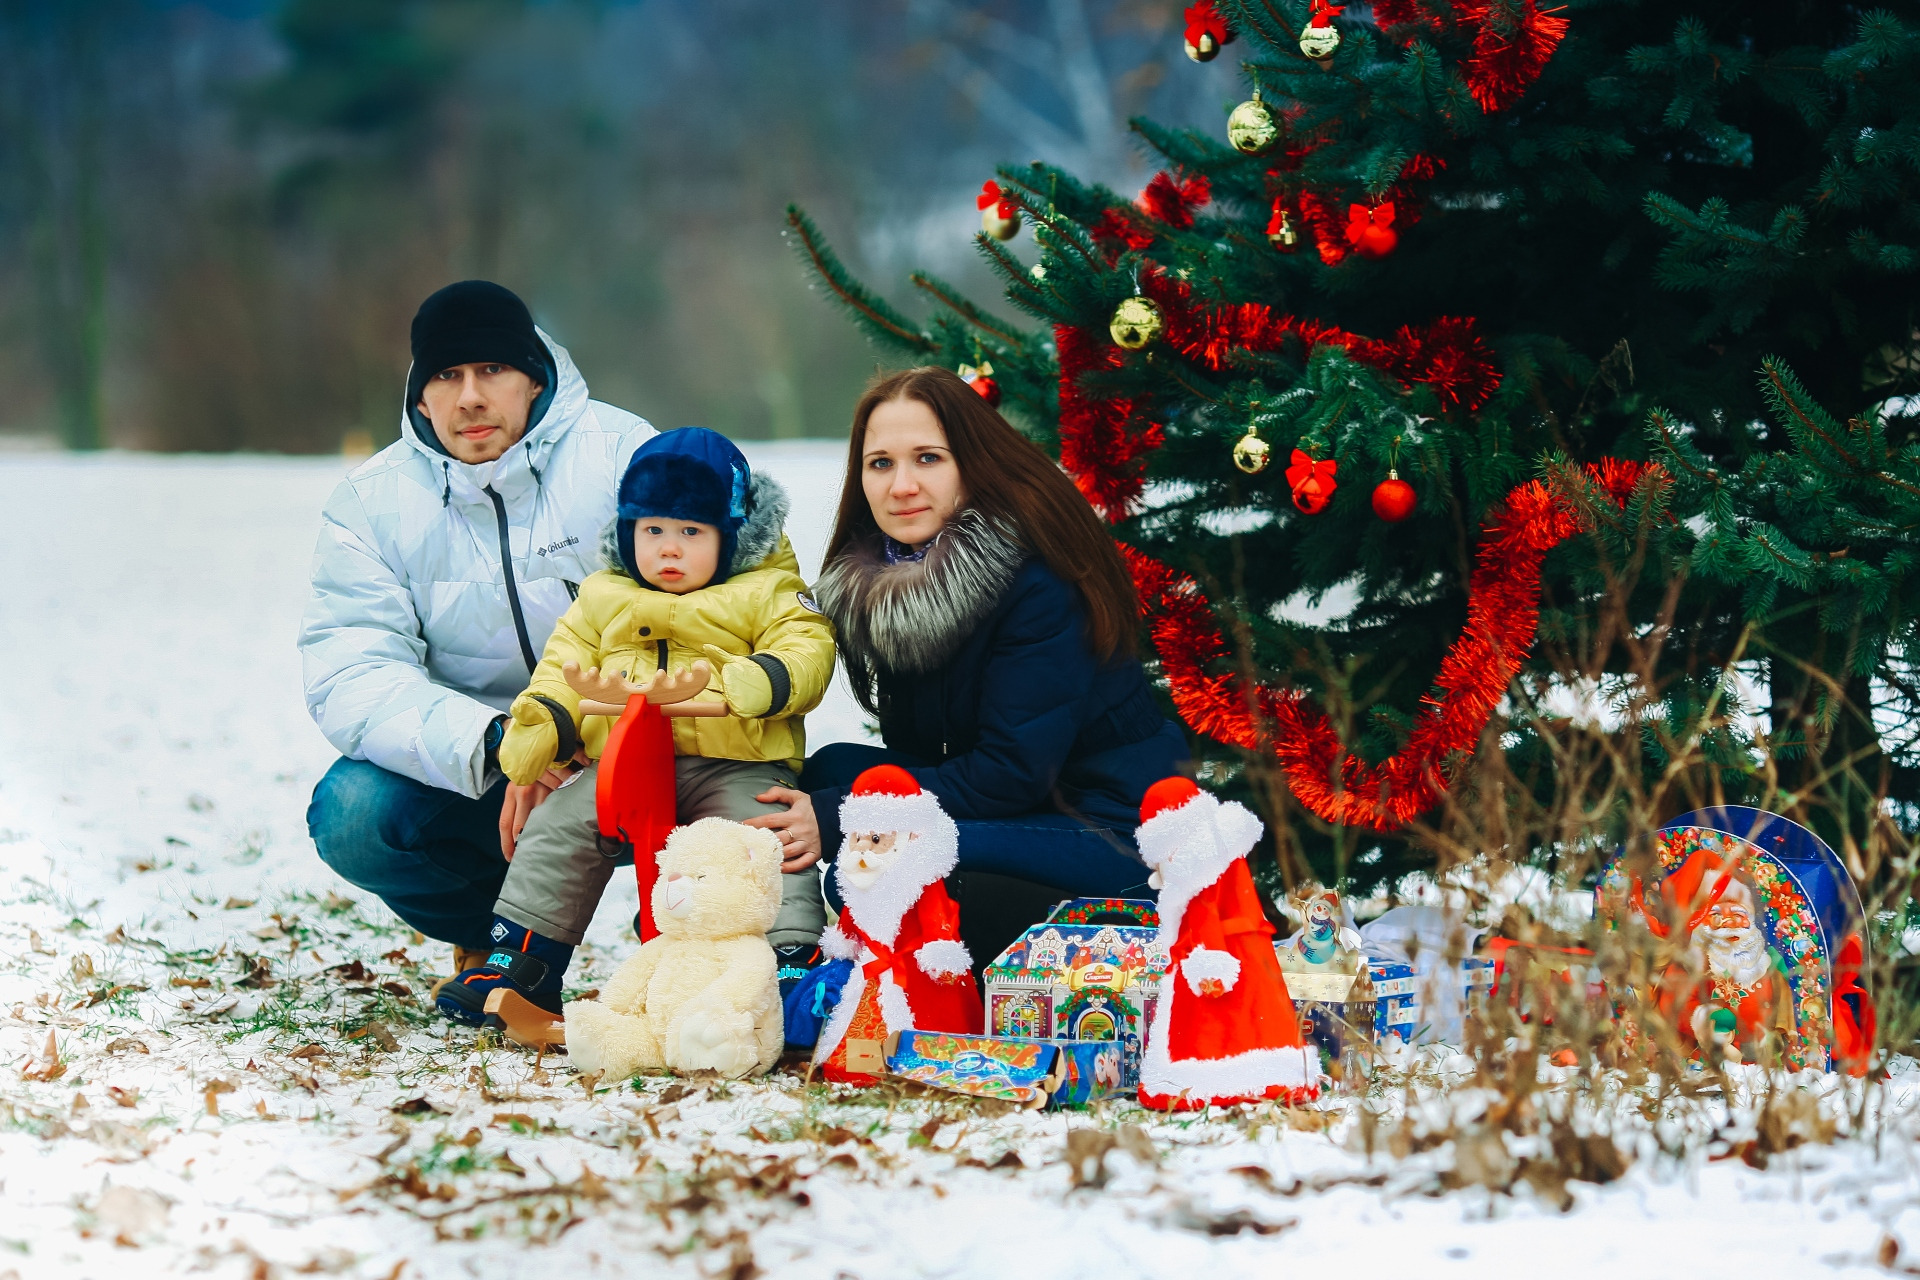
(798, 829)
(522, 801)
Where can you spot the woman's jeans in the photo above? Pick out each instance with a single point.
(432, 856)
(1011, 869)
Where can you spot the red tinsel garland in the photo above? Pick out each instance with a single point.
(1503, 612)
(1446, 354)
(1511, 41)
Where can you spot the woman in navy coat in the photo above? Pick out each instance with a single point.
(985, 618)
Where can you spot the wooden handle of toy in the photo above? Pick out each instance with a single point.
(588, 707)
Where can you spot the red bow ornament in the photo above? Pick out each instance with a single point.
(1311, 480)
(1203, 20)
(1370, 230)
(1323, 13)
(991, 194)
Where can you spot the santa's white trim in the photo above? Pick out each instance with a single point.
(1204, 964)
(944, 958)
(836, 944)
(841, 1018)
(929, 855)
(1191, 847)
(895, 1012)
(1244, 1075)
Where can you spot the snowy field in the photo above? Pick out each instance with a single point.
(216, 1059)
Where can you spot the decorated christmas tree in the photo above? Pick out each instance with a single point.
(1428, 324)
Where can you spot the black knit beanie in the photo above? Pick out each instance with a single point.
(476, 322)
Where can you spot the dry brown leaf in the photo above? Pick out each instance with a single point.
(127, 1044)
(212, 1094)
(236, 904)
(124, 1097)
(48, 1066)
(308, 1051)
(196, 983)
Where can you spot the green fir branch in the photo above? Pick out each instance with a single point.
(879, 319)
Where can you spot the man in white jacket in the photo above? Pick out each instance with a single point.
(443, 562)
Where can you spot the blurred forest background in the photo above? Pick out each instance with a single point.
(217, 218)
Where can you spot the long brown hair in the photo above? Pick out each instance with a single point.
(1006, 476)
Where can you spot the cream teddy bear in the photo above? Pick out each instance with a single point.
(703, 995)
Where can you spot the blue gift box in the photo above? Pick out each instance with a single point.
(1029, 1073)
(1396, 1000)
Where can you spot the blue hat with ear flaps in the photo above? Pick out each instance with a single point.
(689, 474)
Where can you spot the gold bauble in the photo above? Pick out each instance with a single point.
(1250, 453)
(1206, 50)
(1136, 323)
(1250, 128)
(1319, 43)
(998, 227)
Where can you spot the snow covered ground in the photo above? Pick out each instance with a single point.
(217, 1058)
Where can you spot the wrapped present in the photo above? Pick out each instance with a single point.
(1029, 1073)
(1396, 1000)
(1089, 972)
(1337, 1011)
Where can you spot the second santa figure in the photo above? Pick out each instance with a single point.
(1224, 1030)
(899, 927)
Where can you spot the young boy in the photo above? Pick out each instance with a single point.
(701, 571)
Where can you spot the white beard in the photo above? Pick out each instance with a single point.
(1739, 954)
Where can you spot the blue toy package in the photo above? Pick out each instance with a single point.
(1028, 1073)
(811, 1002)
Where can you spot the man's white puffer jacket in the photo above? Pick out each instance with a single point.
(416, 638)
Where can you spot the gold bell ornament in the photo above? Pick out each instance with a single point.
(1137, 323)
(1250, 452)
(1251, 128)
(1281, 233)
(1319, 38)
(999, 215)
(1207, 32)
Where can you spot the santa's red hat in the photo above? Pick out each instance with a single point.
(1189, 836)
(888, 798)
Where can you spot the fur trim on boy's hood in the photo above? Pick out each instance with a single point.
(759, 536)
(913, 616)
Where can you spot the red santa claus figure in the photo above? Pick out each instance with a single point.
(899, 927)
(1736, 993)
(1224, 1029)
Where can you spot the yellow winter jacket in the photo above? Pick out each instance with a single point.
(618, 624)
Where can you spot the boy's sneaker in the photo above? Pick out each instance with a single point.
(522, 959)
(793, 962)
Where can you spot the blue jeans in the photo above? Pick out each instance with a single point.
(432, 856)
(1056, 850)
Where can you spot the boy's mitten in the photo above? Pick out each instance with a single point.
(535, 738)
(746, 683)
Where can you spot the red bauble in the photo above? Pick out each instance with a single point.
(1370, 231)
(1311, 480)
(980, 378)
(1393, 498)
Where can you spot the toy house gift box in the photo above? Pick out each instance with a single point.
(1090, 971)
(1776, 934)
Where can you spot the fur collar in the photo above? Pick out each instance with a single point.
(767, 507)
(1191, 847)
(913, 616)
